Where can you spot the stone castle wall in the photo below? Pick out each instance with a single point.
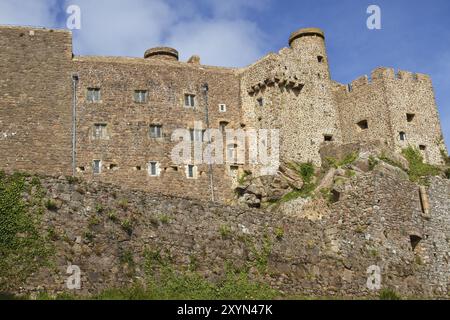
(290, 91)
(35, 100)
(372, 224)
(385, 101)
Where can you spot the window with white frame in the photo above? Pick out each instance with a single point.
(97, 166)
(93, 95)
(140, 96)
(153, 169)
(100, 131)
(222, 107)
(232, 153)
(155, 131)
(189, 100)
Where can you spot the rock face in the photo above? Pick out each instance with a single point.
(265, 189)
(376, 224)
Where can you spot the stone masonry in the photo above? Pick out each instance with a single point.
(62, 114)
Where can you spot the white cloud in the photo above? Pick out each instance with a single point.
(41, 13)
(218, 42)
(112, 27)
(216, 30)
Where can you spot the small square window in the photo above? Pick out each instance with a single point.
(140, 96)
(402, 136)
(100, 131)
(363, 125)
(93, 95)
(328, 137)
(410, 117)
(155, 131)
(153, 169)
(423, 147)
(320, 59)
(189, 100)
(222, 107)
(97, 166)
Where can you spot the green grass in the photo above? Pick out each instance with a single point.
(225, 231)
(389, 294)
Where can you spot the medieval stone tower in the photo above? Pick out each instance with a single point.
(112, 118)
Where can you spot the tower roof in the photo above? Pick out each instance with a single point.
(306, 32)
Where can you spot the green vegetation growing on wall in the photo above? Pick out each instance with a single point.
(22, 248)
(307, 172)
(417, 168)
(348, 159)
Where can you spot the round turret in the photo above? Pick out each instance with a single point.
(306, 32)
(163, 53)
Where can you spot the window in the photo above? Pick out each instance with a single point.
(191, 171)
(349, 87)
(197, 135)
(232, 153)
(155, 131)
(189, 100)
(363, 125)
(410, 117)
(153, 169)
(140, 96)
(320, 59)
(222, 107)
(402, 136)
(93, 95)
(100, 131)
(328, 137)
(97, 167)
(260, 102)
(422, 148)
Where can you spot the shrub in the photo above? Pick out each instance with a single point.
(112, 216)
(389, 294)
(447, 173)
(279, 233)
(373, 162)
(417, 168)
(51, 205)
(99, 208)
(123, 203)
(225, 231)
(306, 171)
(164, 219)
(127, 226)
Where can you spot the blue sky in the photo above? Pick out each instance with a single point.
(415, 35)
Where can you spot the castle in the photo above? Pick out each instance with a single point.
(110, 118)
